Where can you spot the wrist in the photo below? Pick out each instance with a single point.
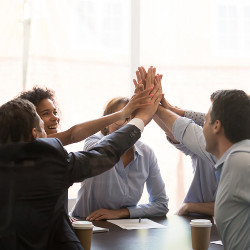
(138, 122)
(124, 213)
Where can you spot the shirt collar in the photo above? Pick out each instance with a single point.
(231, 149)
(137, 150)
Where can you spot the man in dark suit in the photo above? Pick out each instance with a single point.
(35, 172)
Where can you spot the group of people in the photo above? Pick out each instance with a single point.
(114, 166)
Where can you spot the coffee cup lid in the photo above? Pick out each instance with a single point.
(200, 223)
(82, 224)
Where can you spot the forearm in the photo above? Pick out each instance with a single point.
(167, 117)
(201, 208)
(122, 213)
(81, 131)
(176, 110)
(164, 128)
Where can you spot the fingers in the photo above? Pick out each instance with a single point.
(143, 75)
(96, 215)
(135, 83)
(153, 74)
(138, 75)
(149, 78)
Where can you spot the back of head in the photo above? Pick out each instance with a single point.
(232, 109)
(17, 119)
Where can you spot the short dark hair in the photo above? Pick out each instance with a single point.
(37, 94)
(232, 109)
(17, 119)
(112, 106)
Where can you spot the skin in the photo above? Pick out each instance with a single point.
(143, 106)
(216, 140)
(40, 132)
(165, 118)
(47, 111)
(127, 157)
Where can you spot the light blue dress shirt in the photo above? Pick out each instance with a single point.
(191, 135)
(204, 184)
(123, 187)
(232, 204)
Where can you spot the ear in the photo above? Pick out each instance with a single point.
(217, 127)
(34, 133)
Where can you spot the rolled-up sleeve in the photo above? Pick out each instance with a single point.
(191, 135)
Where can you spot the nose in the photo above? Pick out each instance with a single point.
(54, 117)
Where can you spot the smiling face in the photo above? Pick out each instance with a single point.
(47, 111)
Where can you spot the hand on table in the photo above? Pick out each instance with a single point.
(105, 214)
(183, 210)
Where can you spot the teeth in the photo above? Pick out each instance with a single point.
(52, 127)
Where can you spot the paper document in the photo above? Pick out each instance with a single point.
(135, 224)
(217, 242)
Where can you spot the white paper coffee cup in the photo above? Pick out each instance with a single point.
(84, 230)
(200, 232)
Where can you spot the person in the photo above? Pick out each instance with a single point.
(202, 191)
(116, 193)
(225, 134)
(44, 101)
(39, 170)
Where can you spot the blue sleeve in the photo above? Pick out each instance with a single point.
(191, 135)
(158, 200)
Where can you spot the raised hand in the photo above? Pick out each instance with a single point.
(140, 100)
(143, 75)
(146, 114)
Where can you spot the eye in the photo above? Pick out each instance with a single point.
(45, 114)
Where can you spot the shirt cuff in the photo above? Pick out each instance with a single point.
(138, 123)
(134, 212)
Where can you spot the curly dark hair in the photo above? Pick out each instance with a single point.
(37, 94)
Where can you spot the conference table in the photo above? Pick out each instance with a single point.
(176, 235)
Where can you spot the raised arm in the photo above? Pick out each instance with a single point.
(81, 131)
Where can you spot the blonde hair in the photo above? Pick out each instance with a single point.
(111, 108)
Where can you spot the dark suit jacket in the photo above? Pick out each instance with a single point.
(34, 178)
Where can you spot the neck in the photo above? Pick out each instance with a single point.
(223, 145)
(127, 157)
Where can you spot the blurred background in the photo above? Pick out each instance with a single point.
(88, 52)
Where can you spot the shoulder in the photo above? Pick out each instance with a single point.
(145, 148)
(238, 161)
(50, 145)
